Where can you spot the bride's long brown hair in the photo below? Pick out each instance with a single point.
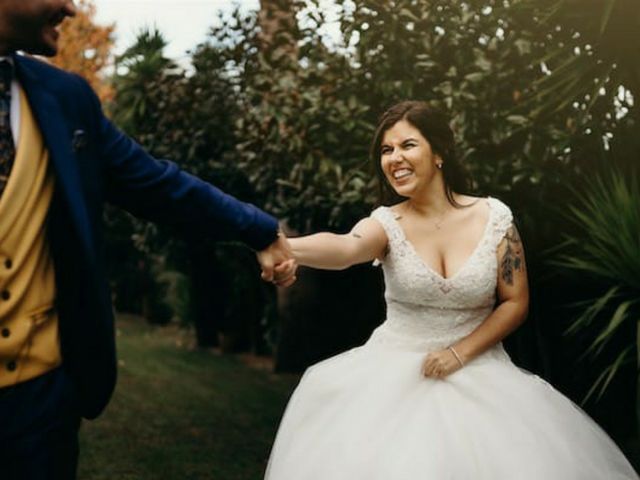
(434, 126)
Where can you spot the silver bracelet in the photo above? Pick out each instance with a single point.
(453, 350)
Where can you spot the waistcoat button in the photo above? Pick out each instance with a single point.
(12, 365)
(6, 295)
(8, 264)
(5, 333)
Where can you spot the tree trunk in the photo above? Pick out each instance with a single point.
(207, 293)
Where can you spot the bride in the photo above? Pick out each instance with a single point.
(432, 394)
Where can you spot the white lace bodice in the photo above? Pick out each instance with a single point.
(426, 311)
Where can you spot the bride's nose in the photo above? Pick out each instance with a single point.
(396, 156)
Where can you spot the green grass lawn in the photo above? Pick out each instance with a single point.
(180, 413)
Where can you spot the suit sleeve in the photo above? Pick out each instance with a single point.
(160, 191)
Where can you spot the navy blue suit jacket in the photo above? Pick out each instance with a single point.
(93, 162)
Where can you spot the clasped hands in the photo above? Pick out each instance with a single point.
(277, 263)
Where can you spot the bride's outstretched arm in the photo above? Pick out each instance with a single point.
(513, 297)
(329, 251)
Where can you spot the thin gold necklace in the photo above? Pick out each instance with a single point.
(437, 223)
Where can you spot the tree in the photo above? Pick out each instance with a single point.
(306, 149)
(137, 70)
(278, 27)
(592, 49)
(302, 115)
(139, 251)
(190, 120)
(592, 83)
(606, 211)
(86, 48)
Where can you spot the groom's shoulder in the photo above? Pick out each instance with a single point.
(56, 79)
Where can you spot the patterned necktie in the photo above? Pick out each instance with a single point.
(7, 147)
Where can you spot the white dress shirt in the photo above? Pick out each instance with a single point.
(15, 107)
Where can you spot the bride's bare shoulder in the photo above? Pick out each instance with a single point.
(468, 200)
(398, 208)
(472, 207)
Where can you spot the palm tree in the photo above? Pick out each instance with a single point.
(593, 46)
(136, 69)
(589, 90)
(606, 247)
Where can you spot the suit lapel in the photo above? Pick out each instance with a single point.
(53, 125)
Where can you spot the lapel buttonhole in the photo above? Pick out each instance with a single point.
(79, 140)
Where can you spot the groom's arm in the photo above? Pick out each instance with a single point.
(160, 191)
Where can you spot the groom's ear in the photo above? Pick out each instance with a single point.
(79, 140)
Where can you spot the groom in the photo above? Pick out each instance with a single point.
(60, 160)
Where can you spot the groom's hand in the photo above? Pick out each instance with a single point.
(277, 262)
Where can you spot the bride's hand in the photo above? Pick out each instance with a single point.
(284, 274)
(440, 364)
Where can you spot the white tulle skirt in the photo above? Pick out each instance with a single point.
(368, 414)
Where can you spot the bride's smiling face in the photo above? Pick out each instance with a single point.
(407, 160)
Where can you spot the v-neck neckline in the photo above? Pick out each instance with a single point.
(467, 261)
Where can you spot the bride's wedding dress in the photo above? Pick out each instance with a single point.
(369, 414)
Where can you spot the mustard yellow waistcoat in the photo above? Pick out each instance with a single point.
(29, 344)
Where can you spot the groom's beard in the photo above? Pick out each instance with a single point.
(35, 32)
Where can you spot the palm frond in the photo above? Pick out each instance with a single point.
(607, 212)
(606, 217)
(606, 17)
(592, 310)
(610, 60)
(622, 313)
(604, 379)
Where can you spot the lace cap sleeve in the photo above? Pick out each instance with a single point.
(501, 220)
(387, 218)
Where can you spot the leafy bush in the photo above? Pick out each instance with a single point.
(606, 248)
(287, 125)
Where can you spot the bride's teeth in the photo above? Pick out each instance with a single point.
(401, 173)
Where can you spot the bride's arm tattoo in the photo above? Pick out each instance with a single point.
(357, 235)
(512, 257)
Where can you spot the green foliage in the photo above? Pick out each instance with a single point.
(473, 62)
(307, 117)
(302, 137)
(136, 70)
(606, 247)
(591, 50)
(308, 112)
(133, 243)
(175, 294)
(187, 117)
(287, 124)
(299, 115)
